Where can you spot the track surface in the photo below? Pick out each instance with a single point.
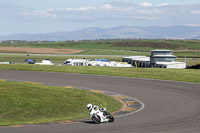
(170, 107)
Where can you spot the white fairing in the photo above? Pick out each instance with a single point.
(95, 110)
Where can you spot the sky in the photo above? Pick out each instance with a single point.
(44, 16)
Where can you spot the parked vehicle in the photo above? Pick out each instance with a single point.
(45, 62)
(30, 61)
(75, 62)
(96, 62)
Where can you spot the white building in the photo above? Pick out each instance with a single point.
(158, 59)
(137, 61)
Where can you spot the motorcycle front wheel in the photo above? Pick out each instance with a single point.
(96, 119)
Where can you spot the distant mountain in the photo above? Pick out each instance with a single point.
(121, 32)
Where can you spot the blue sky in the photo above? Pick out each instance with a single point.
(43, 16)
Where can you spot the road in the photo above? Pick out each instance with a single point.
(170, 107)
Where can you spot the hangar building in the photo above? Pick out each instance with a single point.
(158, 59)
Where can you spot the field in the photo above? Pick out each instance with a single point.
(181, 48)
(38, 50)
(27, 103)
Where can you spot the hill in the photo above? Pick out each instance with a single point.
(121, 32)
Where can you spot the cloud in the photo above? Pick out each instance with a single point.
(193, 25)
(39, 13)
(79, 9)
(146, 4)
(163, 4)
(101, 7)
(105, 7)
(148, 13)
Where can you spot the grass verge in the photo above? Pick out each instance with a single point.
(25, 103)
(186, 75)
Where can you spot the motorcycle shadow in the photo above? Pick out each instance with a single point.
(88, 121)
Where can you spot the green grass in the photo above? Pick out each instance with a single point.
(187, 54)
(25, 103)
(188, 44)
(189, 61)
(186, 75)
(113, 52)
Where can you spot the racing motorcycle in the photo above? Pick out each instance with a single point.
(99, 116)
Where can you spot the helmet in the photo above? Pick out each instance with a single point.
(89, 106)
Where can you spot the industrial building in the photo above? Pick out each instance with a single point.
(158, 59)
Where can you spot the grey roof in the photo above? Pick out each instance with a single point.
(172, 56)
(165, 50)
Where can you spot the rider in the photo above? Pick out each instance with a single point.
(90, 108)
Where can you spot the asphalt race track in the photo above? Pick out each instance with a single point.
(170, 107)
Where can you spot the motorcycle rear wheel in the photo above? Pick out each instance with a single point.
(111, 119)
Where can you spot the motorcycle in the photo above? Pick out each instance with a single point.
(99, 116)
